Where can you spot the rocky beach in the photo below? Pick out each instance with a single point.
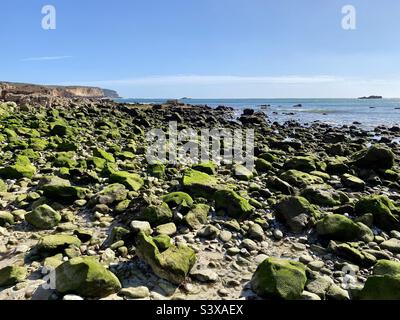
(84, 216)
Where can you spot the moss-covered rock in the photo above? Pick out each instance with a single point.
(22, 168)
(276, 184)
(163, 242)
(352, 182)
(43, 217)
(242, 173)
(386, 214)
(384, 284)
(178, 199)
(58, 188)
(279, 279)
(300, 179)
(375, 157)
(197, 216)
(86, 277)
(157, 170)
(11, 275)
(112, 193)
(232, 204)
(130, 180)
(97, 163)
(206, 167)
(352, 254)
(301, 163)
(173, 264)
(322, 195)
(198, 183)
(337, 165)
(52, 244)
(60, 129)
(3, 186)
(296, 212)
(263, 165)
(65, 159)
(157, 215)
(6, 218)
(97, 152)
(339, 227)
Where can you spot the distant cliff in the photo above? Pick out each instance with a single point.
(55, 91)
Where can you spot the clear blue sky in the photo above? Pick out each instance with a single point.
(206, 48)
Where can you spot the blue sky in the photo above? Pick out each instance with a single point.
(206, 48)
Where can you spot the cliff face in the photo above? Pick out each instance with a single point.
(55, 91)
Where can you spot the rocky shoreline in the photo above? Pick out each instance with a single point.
(83, 216)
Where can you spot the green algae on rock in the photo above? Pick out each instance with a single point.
(6, 218)
(198, 183)
(197, 216)
(296, 212)
(11, 275)
(232, 204)
(173, 264)
(386, 214)
(130, 180)
(52, 244)
(22, 168)
(384, 283)
(178, 199)
(279, 279)
(157, 215)
(339, 227)
(300, 179)
(43, 217)
(86, 277)
(375, 157)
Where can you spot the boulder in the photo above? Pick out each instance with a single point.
(277, 184)
(112, 193)
(375, 157)
(386, 214)
(232, 204)
(263, 165)
(178, 199)
(100, 153)
(157, 215)
(242, 173)
(6, 218)
(352, 182)
(60, 189)
(141, 226)
(322, 195)
(11, 275)
(197, 216)
(301, 163)
(384, 283)
(279, 279)
(206, 167)
(296, 212)
(130, 180)
(86, 277)
(43, 217)
(173, 264)
(300, 179)
(350, 253)
(22, 168)
(198, 183)
(339, 227)
(156, 170)
(57, 243)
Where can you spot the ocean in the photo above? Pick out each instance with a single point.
(337, 112)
